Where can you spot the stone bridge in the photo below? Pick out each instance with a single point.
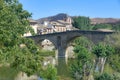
(61, 39)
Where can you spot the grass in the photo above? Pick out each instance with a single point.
(64, 78)
(46, 53)
(7, 73)
(108, 69)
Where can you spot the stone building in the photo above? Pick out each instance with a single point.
(55, 26)
(34, 26)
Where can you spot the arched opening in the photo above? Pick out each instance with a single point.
(47, 51)
(47, 45)
(70, 47)
(71, 43)
(69, 56)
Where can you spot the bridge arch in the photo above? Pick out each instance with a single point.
(47, 45)
(61, 39)
(71, 44)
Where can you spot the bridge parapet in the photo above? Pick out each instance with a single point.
(61, 39)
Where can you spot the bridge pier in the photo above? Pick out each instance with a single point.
(61, 52)
(61, 46)
(60, 40)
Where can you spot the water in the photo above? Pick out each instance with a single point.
(40, 78)
(62, 67)
(7, 73)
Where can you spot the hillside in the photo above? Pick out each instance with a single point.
(104, 20)
(62, 16)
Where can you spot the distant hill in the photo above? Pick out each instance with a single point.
(60, 16)
(63, 16)
(104, 20)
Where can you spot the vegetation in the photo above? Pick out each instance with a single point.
(116, 26)
(16, 51)
(81, 68)
(45, 53)
(114, 40)
(102, 52)
(102, 26)
(104, 76)
(22, 54)
(108, 76)
(81, 22)
(7, 73)
(96, 59)
(49, 73)
(13, 24)
(83, 41)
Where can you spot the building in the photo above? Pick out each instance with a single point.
(55, 26)
(34, 26)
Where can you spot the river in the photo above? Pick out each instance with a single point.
(7, 73)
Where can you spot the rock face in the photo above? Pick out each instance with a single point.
(70, 52)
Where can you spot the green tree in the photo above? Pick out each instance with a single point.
(83, 64)
(114, 61)
(114, 40)
(116, 26)
(49, 73)
(108, 76)
(102, 26)
(83, 41)
(13, 24)
(116, 76)
(81, 69)
(81, 22)
(105, 76)
(76, 70)
(18, 52)
(102, 51)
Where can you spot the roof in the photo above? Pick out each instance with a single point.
(32, 21)
(59, 23)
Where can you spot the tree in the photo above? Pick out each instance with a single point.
(13, 24)
(114, 61)
(114, 40)
(76, 70)
(81, 22)
(83, 41)
(102, 26)
(113, 47)
(105, 76)
(116, 26)
(108, 76)
(82, 67)
(49, 73)
(102, 52)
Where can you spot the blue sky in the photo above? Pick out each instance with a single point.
(91, 8)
